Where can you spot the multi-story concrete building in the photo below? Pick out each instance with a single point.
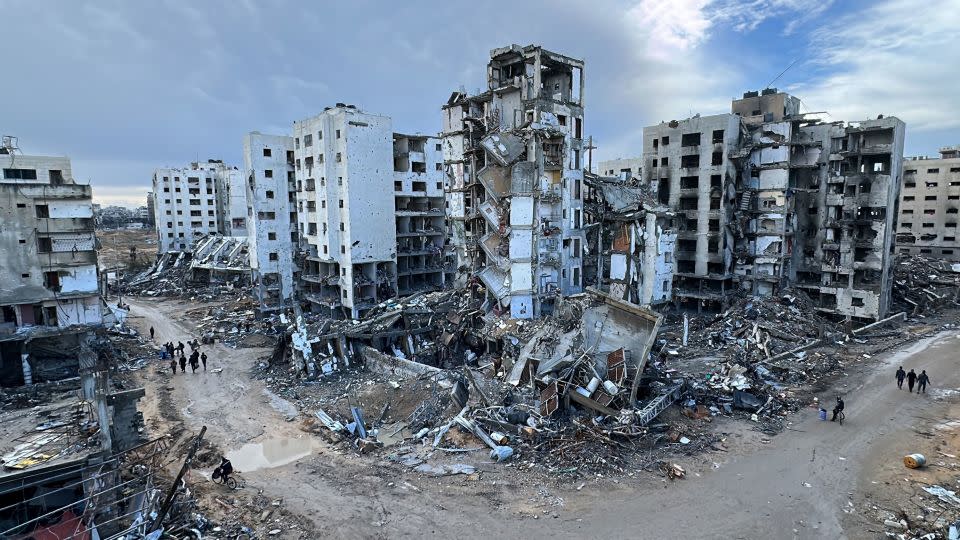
(622, 168)
(513, 160)
(785, 200)
(929, 205)
(49, 269)
(271, 222)
(420, 227)
(346, 209)
(185, 204)
(151, 212)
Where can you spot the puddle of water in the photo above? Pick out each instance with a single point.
(270, 453)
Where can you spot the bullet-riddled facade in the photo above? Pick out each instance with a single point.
(344, 169)
(514, 163)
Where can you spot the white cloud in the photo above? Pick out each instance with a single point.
(746, 16)
(891, 58)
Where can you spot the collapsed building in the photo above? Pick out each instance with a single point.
(512, 158)
(929, 206)
(632, 240)
(769, 197)
(218, 263)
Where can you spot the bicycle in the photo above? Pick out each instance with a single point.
(840, 417)
(232, 482)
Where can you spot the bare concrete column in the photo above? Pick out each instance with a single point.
(649, 259)
(27, 372)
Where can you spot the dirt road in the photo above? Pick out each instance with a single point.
(794, 486)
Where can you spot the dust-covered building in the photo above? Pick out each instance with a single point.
(513, 160)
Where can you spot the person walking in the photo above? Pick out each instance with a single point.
(173, 364)
(911, 380)
(183, 363)
(180, 347)
(901, 375)
(203, 358)
(194, 362)
(922, 381)
(151, 332)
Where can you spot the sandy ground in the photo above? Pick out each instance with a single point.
(794, 485)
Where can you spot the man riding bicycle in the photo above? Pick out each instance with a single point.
(224, 470)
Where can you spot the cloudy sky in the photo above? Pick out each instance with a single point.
(123, 87)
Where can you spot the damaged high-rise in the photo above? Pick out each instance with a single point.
(370, 205)
(929, 206)
(196, 201)
(513, 160)
(271, 222)
(768, 197)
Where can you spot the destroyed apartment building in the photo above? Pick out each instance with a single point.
(929, 206)
(768, 197)
(271, 217)
(370, 210)
(50, 280)
(512, 156)
(202, 199)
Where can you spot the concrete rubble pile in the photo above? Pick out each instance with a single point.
(235, 323)
(923, 283)
(564, 388)
(214, 265)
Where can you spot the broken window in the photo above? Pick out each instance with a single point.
(419, 186)
(689, 162)
(271, 236)
(266, 152)
(717, 158)
(418, 167)
(44, 245)
(930, 198)
(274, 257)
(20, 174)
(689, 182)
(933, 171)
(308, 140)
(664, 162)
(268, 173)
(665, 141)
(856, 301)
(43, 211)
(717, 136)
(690, 139)
(397, 185)
(688, 203)
(909, 185)
(269, 194)
(716, 181)
(578, 128)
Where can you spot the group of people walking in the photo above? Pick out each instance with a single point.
(177, 355)
(912, 378)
